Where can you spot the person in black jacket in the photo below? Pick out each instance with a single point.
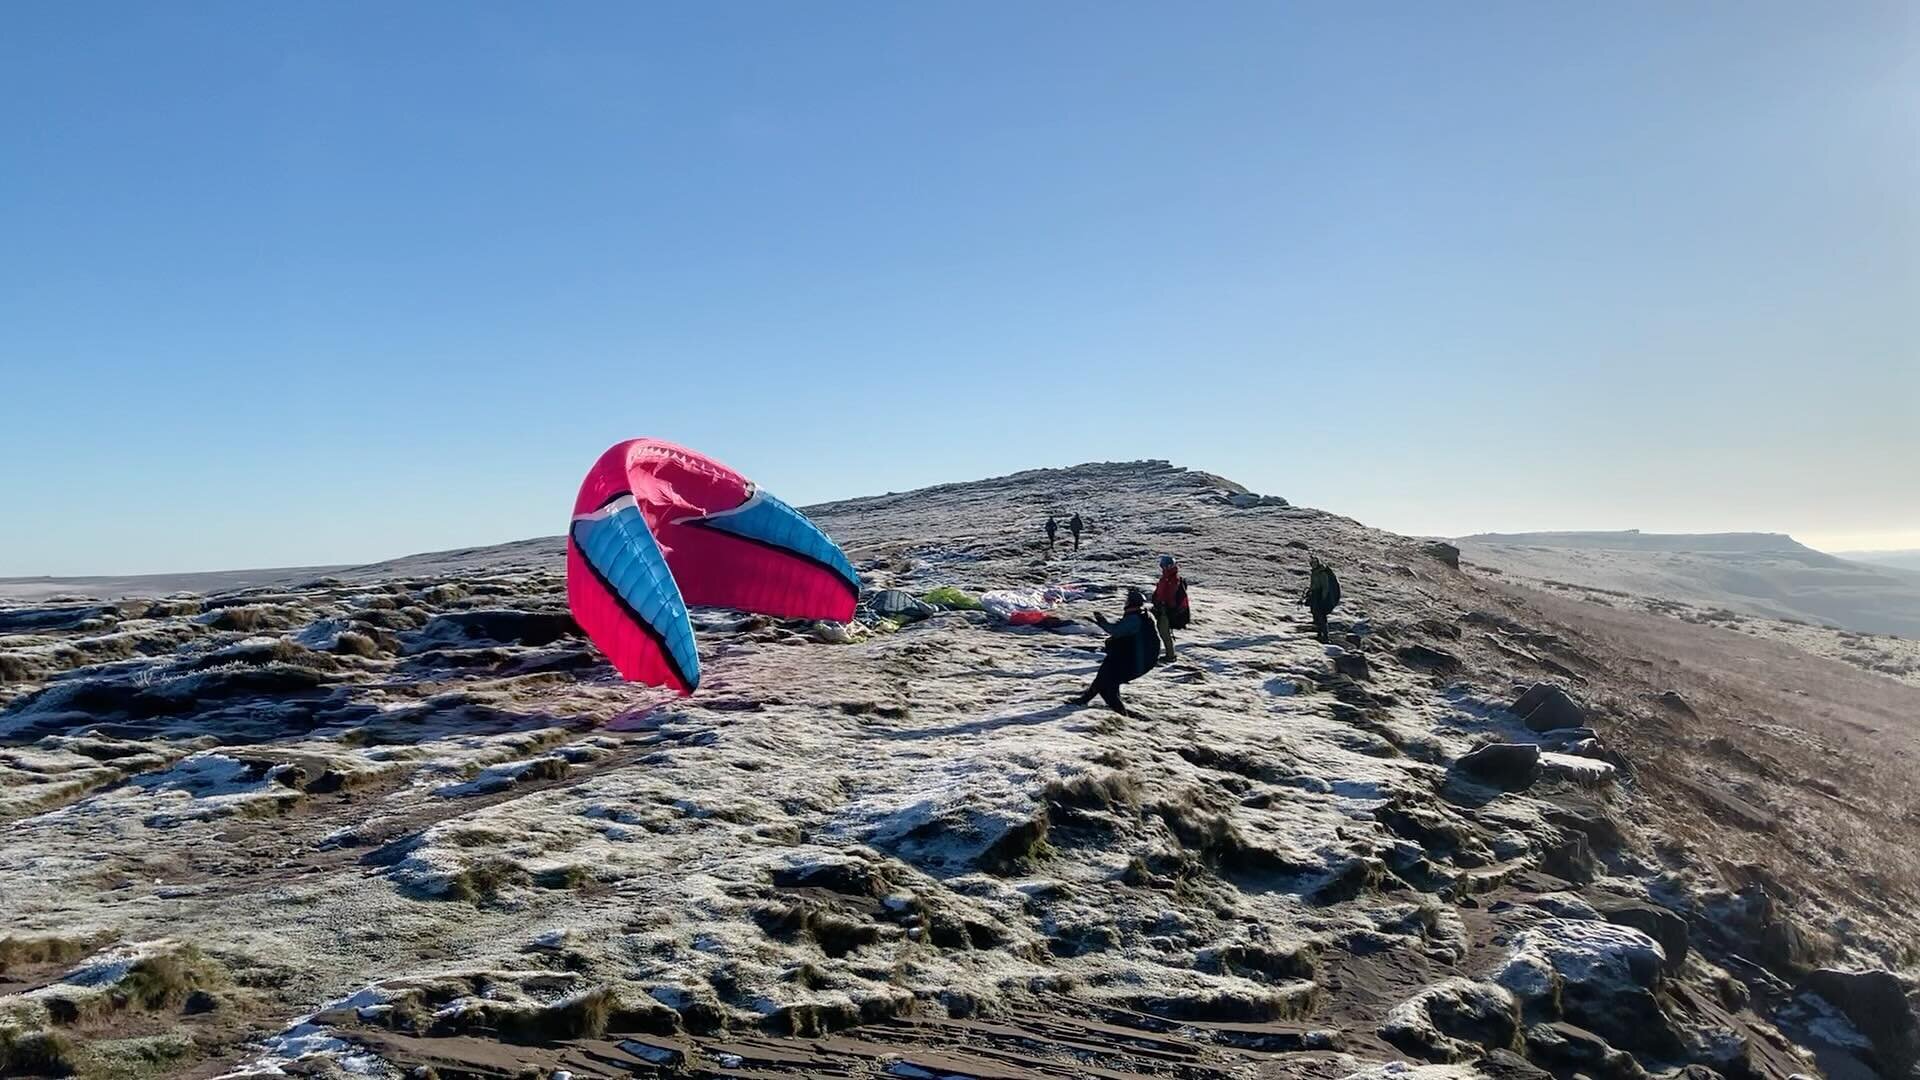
(1133, 646)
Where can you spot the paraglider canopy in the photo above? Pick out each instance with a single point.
(657, 527)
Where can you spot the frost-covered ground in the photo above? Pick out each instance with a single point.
(404, 818)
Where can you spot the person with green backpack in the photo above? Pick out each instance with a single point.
(1322, 596)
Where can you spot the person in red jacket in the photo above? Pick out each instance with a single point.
(1170, 611)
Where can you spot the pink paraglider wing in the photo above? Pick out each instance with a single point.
(658, 527)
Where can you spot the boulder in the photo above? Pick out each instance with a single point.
(1754, 924)
(1729, 808)
(1571, 858)
(1507, 1065)
(1425, 658)
(1443, 551)
(1353, 665)
(1881, 1008)
(1580, 770)
(1509, 766)
(1574, 1049)
(1609, 981)
(1673, 701)
(1530, 697)
(1588, 818)
(1658, 923)
(1247, 500)
(1546, 707)
(1455, 1019)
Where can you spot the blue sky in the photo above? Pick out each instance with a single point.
(313, 283)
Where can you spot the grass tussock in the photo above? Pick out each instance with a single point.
(17, 669)
(582, 1016)
(812, 1020)
(571, 878)
(444, 594)
(281, 651)
(483, 881)
(1095, 791)
(388, 618)
(809, 975)
(35, 1053)
(1020, 849)
(1213, 839)
(353, 643)
(183, 980)
(249, 618)
(546, 768)
(1264, 1005)
(166, 981)
(132, 1058)
(585, 1015)
(23, 951)
(1264, 964)
(836, 935)
(171, 609)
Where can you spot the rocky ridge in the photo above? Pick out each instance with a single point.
(404, 821)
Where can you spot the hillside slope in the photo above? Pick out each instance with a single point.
(401, 822)
(1761, 574)
(1899, 560)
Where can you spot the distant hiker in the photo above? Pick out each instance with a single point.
(1323, 595)
(1170, 608)
(1132, 649)
(1053, 530)
(1074, 525)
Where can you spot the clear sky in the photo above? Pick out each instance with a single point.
(294, 283)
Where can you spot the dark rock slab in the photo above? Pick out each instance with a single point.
(1510, 766)
(1547, 707)
(1881, 1006)
(1729, 808)
(1353, 665)
(1660, 924)
(1427, 658)
(1570, 1048)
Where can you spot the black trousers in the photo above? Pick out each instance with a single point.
(1320, 623)
(1106, 683)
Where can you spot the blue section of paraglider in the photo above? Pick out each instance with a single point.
(620, 547)
(766, 520)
